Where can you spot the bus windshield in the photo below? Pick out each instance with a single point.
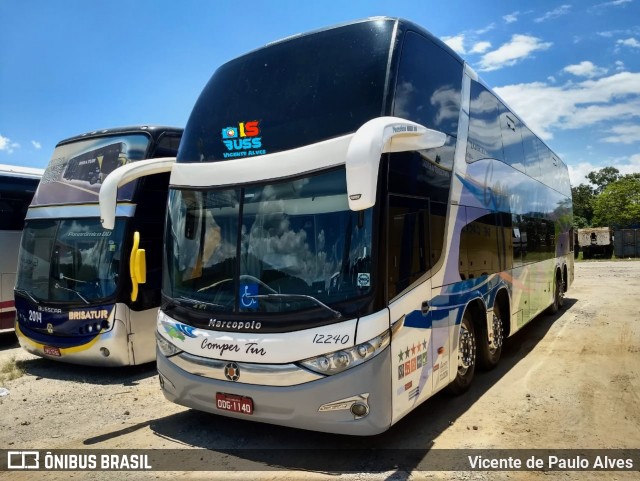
(274, 247)
(74, 261)
(293, 93)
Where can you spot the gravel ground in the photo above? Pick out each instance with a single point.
(566, 381)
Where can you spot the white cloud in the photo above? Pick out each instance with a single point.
(625, 165)
(547, 107)
(7, 146)
(486, 29)
(551, 79)
(624, 134)
(555, 13)
(456, 43)
(613, 3)
(619, 65)
(511, 17)
(480, 47)
(632, 31)
(578, 172)
(36, 144)
(585, 69)
(512, 52)
(629, 42)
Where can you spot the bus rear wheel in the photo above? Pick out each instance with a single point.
(466, 356)
(558, 295)
(489, 351)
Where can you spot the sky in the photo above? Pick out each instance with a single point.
(570, 70)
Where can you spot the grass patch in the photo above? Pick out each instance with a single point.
(10, 370)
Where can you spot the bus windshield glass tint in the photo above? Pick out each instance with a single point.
(70, 260)
(276, 247)
(291, 93)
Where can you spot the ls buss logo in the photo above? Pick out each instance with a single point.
(243, 140)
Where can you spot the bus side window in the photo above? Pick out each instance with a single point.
(408, 241)
(479, 244)
(519, 241)
(428, 91)
(512, 139)
(485, 136)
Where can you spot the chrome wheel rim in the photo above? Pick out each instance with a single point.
(466, 350)
(498, 335)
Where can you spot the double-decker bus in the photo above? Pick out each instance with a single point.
(17, 186)
(81, 295)
(355, 222)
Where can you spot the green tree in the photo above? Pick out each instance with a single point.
(619, 203)
(583, 196)
(580, 222)
(603, 177)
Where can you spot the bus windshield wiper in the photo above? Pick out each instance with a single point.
(65, 278)
(58, 286)
(25, 293)
(301, 297)
(197, 301)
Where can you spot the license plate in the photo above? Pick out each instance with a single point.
(234, 403)
(52, 351)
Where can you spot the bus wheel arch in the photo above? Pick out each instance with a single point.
(467, 348)
(489, 352)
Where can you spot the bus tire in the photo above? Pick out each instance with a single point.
(558, 295)
(466, 356)
(489, 355)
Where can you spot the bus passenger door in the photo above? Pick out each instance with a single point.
(408, 260)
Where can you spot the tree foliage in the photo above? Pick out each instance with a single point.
(603, 177)
(618, 205)
(583, 196)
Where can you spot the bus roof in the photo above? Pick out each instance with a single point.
(20, 171)
(406, 24)
(153, 130)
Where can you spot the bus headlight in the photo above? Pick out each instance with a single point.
(166, 348)
(338, 361)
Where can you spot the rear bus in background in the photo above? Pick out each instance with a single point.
(17, 186)
(81, 295)
(355, 222)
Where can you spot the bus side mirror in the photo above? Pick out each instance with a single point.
(374, 138)
(109, 190)
(137, 266)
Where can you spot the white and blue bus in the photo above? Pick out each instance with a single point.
(355, 222)
(17, 186)
(79, 294)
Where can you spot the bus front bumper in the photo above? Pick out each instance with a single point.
(319, 405)
(110, 348)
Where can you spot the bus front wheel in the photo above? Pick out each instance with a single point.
(466, 355)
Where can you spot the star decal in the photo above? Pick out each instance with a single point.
(413, 349)
(424, 344)
(400, 355)
(406, 352)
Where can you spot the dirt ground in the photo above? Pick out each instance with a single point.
(566, 381)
